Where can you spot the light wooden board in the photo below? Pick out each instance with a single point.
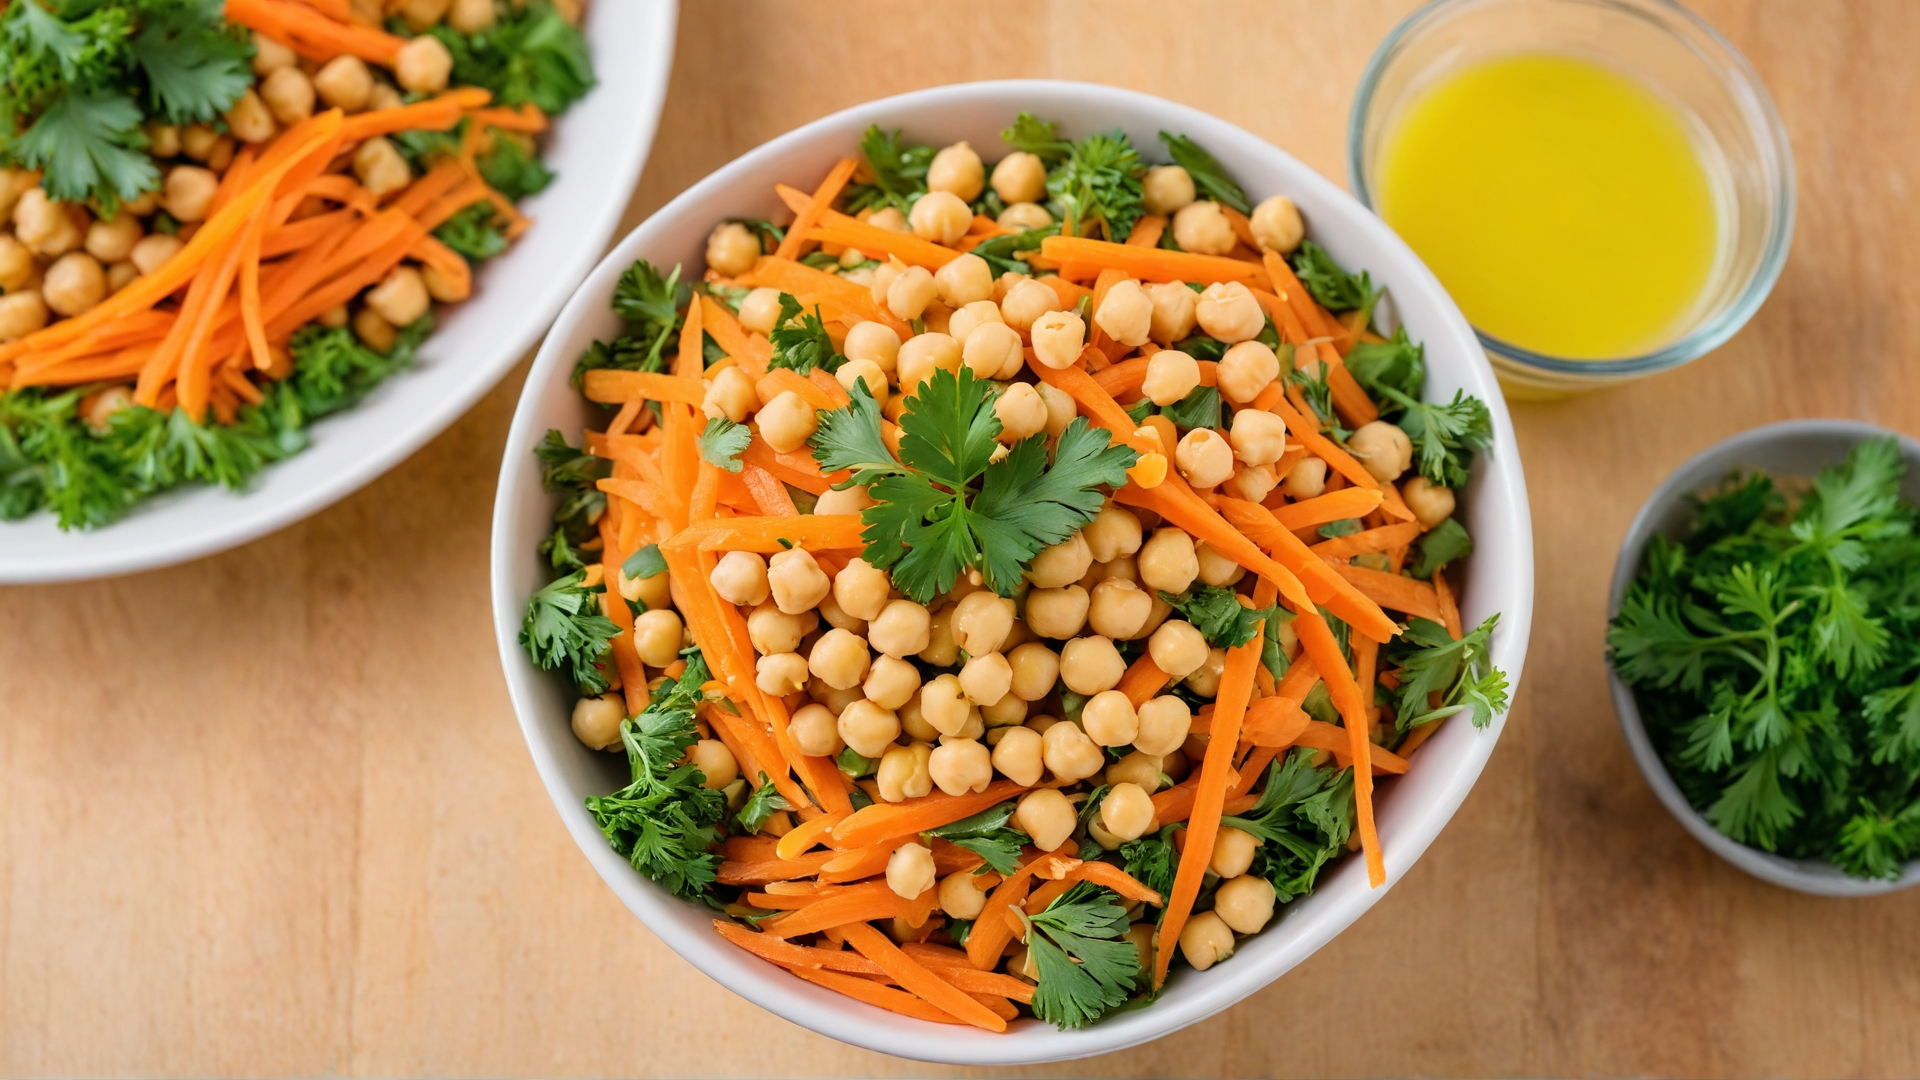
(269, 813)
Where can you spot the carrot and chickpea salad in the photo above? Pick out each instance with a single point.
(222, 221)
(988, 578)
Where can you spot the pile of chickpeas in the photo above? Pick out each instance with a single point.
(59, 260)
(953, 694)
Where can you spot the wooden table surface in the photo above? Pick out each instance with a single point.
(269, 813)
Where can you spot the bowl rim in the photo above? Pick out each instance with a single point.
(1815, 877)
(119, 548)
(1734, 72)
(1501, 483)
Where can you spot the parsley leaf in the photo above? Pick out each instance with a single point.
(1441, 545)
(1199, 409)
(1301, 817)
(1086, 967)
(1207, 174)
(800, 341)
(1040, 138)
(1459, 672)
(666, 820)
(899, 175)
(196, 69)
(572, 474)
(1445, 437)
(1152, 860)
(765, 801)
(1001, 252)
(1400, 364)
(564, 630)
(1218, 614)
(89, 143)
(473, 232)
(531, 55)
(1099, 187)
(645, 563)
(722, 443)
(651, 305)
(989, 835)
(1334, 288)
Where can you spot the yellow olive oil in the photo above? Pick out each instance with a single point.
(1562, 203)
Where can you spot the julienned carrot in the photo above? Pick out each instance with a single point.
(1230, 705)
(1318, 736)
(1318, 641)
(806, 834)
(312, 34)
(801, 472)
(1449, 611)
(751, 352)
(885, 997)
(877, 243)
(1416, 739)
(881, 821)
(1147, 231)
(788, 955)
(952, 966)
(854, 904)
(831, 388)
(1320, 581)
(1112, 877)
(1153, 264)
(1308, 433)
(821, 202)
(1395, 592)
(1369, 541)
(917, 979)
(1143, 680)
(1350, 399)
(1353, 502)
(991, 933)
(785, 380)
(1274, 721)
(804, 282)
(612, 387)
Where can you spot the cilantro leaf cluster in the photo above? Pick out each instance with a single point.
(1440, 676)
(989, 834)
(1086, 967)
(1332, 287)
(1093, 183)
(945, 506)
(651, 304)
(1217, 613)
(1304, 817)
(894, 176)
(531, 55)
(564, 631)
(1775, 655)
(800, 340)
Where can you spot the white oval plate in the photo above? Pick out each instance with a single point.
(1412, 808)
(596, 149)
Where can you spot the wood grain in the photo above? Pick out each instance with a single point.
(269, 813)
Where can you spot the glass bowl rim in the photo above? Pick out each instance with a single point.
(1736, 73)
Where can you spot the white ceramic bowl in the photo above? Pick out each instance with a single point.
(1793, 448)
(1412, 808)
(597, 149)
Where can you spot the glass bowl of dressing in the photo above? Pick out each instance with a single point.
(1603, 186)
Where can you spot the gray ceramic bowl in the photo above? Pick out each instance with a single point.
(1796, 447)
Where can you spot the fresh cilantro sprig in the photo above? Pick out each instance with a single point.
(1094, 183)
(666, 821)
(800, 340)
(765, 802)
(1771, 650)
(1445, 437)
(1398, 363)
(1304, 818)
(1440, 676)
(651, 304)
(1208, 176)
(564, 631)
(989, 835)
(572, 474)
(723, 441)
(531, 55)
(1086, 968)
(1334, 288)
(1439, 546)
(898, 174)
(1002, 252)
(1217, 613)
(1152, 860)
(945, 506)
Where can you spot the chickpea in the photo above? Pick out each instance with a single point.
(1203, 228)
(270, 56)
(1018, 756)
(943, 704)
(796, 581)
(959, 766)
(419, 14)
(714, 761)
(152, 252)
(991, 348)
(982, 621)
(787, 422)
(1167, 561)
(15, 183)
(1007, 712)
(1062, 564)
(1177, 648)
(445, 288)
(1258, 437)
(1277, 226)
(75, 284)
(1020, 177)
(781, 674)
(969, 317)
(1228, 312)
(1109, 719)
(890, 219)
(1089, 665)
(910, 291)
(112, 240)
(1248, 368)
(1025, 217)
(1020, 411)
(940, 216)
(816, 732)
(17, 264)
(839, 659)
(1232, 852)
(1171, 376)
(1175, 309)
(21, 313)
(774, 631)
(250, 120)
(1215, 568)
(732, 249)
(922, 355)
(402, 298)
(1058, 337)
(199, 142)
(1057, 613)
(847, 500)
(957, 169)
(867, 728)
(1205, 679)
(1127, 811)
(861, 589)
(866, 372)
(656, 636)
(1164, 724)
(740, 577)
(903, 774)
(882, 279)
(730, 396)
(901, 629)
(1061, 409)
(1431, 504)
(344, 83)
(45, 226)
(1307, 479)
(379, 166)
(1166, 189)
(1035, 670)
(910, 869)
(1245, 903)
(1113, 533)
(1206, 940)
(1126, 314)
(760, 312)
(891, 682)
(961, 896)
(163, 140)
(1118, 609)
(942, 650)
(1252, 482)
(872, 342)
(333, 318)
(471, 16)
(423, 65)
(100, 409)
(1204, 458)
(1046, 816)
(373, 331)
(384, 96)
(1026, 301)
(1139, 769)
(1383, 448)
(596, 720)
(965, 280)
(1119, 568)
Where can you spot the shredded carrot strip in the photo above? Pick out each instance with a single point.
(881, 821)
(1153, 264)
(312, 34)
(609, 386)
(823, 197)
(917, 979)
(873, 993)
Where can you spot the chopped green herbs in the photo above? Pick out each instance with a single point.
(651, 305)
(1461, 672)
(1218, 614)
(989, 835)
(564, 631)
(765, 801)
(1441, 545)
(531, 56)
(722, 443)
(800, 341)
(1086, 967)
(1334, 288)
(898, 175)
